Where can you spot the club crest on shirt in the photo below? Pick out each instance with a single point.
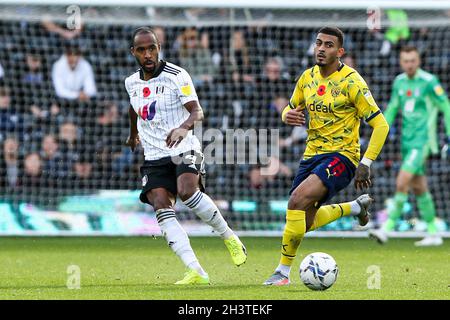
(159, 89)
(417, 92)
(335, 92)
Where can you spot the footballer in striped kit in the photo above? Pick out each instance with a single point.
(164, 107)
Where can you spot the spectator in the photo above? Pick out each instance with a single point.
(39, 120)
(9, 166)
(33, 74)
(273, 95)
(235, 85)
(108, 124)
(83, 168)
(83, 173)
(161, 35)
(47, 115)
(271, 85)
(10, 120)
(31, 180)
(350, 60)
(69, 139)
(239, 58)
(108, 130)
(55, 165)
(195, 56)
(73, 77)
(33, 86)
(264, 41)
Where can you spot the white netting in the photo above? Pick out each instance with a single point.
(244, 67)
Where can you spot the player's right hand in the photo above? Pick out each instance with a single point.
(362, 177)
(295, 117)
(132, 142)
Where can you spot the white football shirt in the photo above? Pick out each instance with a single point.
(159, 104)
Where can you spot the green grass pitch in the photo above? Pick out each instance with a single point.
(145, 268)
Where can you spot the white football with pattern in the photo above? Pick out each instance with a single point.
(318, 271)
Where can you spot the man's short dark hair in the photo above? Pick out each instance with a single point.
(143, 30)
(334, 31)
(72, 47)
(409, 49)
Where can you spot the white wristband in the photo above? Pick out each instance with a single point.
(366, 161)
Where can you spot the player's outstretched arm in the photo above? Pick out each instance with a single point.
(377, 139)
(133, 138)
(176, 135)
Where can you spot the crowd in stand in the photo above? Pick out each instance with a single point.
(63, 105)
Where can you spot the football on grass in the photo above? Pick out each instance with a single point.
(318, 271)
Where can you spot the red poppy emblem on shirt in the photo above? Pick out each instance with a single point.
(409, 93)
(321, 90)
(146, 92)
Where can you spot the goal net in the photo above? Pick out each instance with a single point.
(65, 170)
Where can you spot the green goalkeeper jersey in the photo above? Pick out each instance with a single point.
(419, 98)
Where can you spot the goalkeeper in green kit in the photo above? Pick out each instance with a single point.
(419, 96)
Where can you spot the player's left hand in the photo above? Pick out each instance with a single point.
(175, 137)
(295, 117)
(362, 177)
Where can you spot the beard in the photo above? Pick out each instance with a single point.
(145, 68)
(148, 69)
(321, 63)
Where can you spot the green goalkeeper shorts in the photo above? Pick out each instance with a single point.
(414, 160)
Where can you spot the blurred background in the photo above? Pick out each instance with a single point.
(64, 169)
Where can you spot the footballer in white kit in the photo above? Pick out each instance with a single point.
(159, 105)
(164, 108)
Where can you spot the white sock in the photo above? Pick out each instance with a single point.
(196, 266)
(177, 239)
(284, 269)
(206, 209)
(355, 208)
